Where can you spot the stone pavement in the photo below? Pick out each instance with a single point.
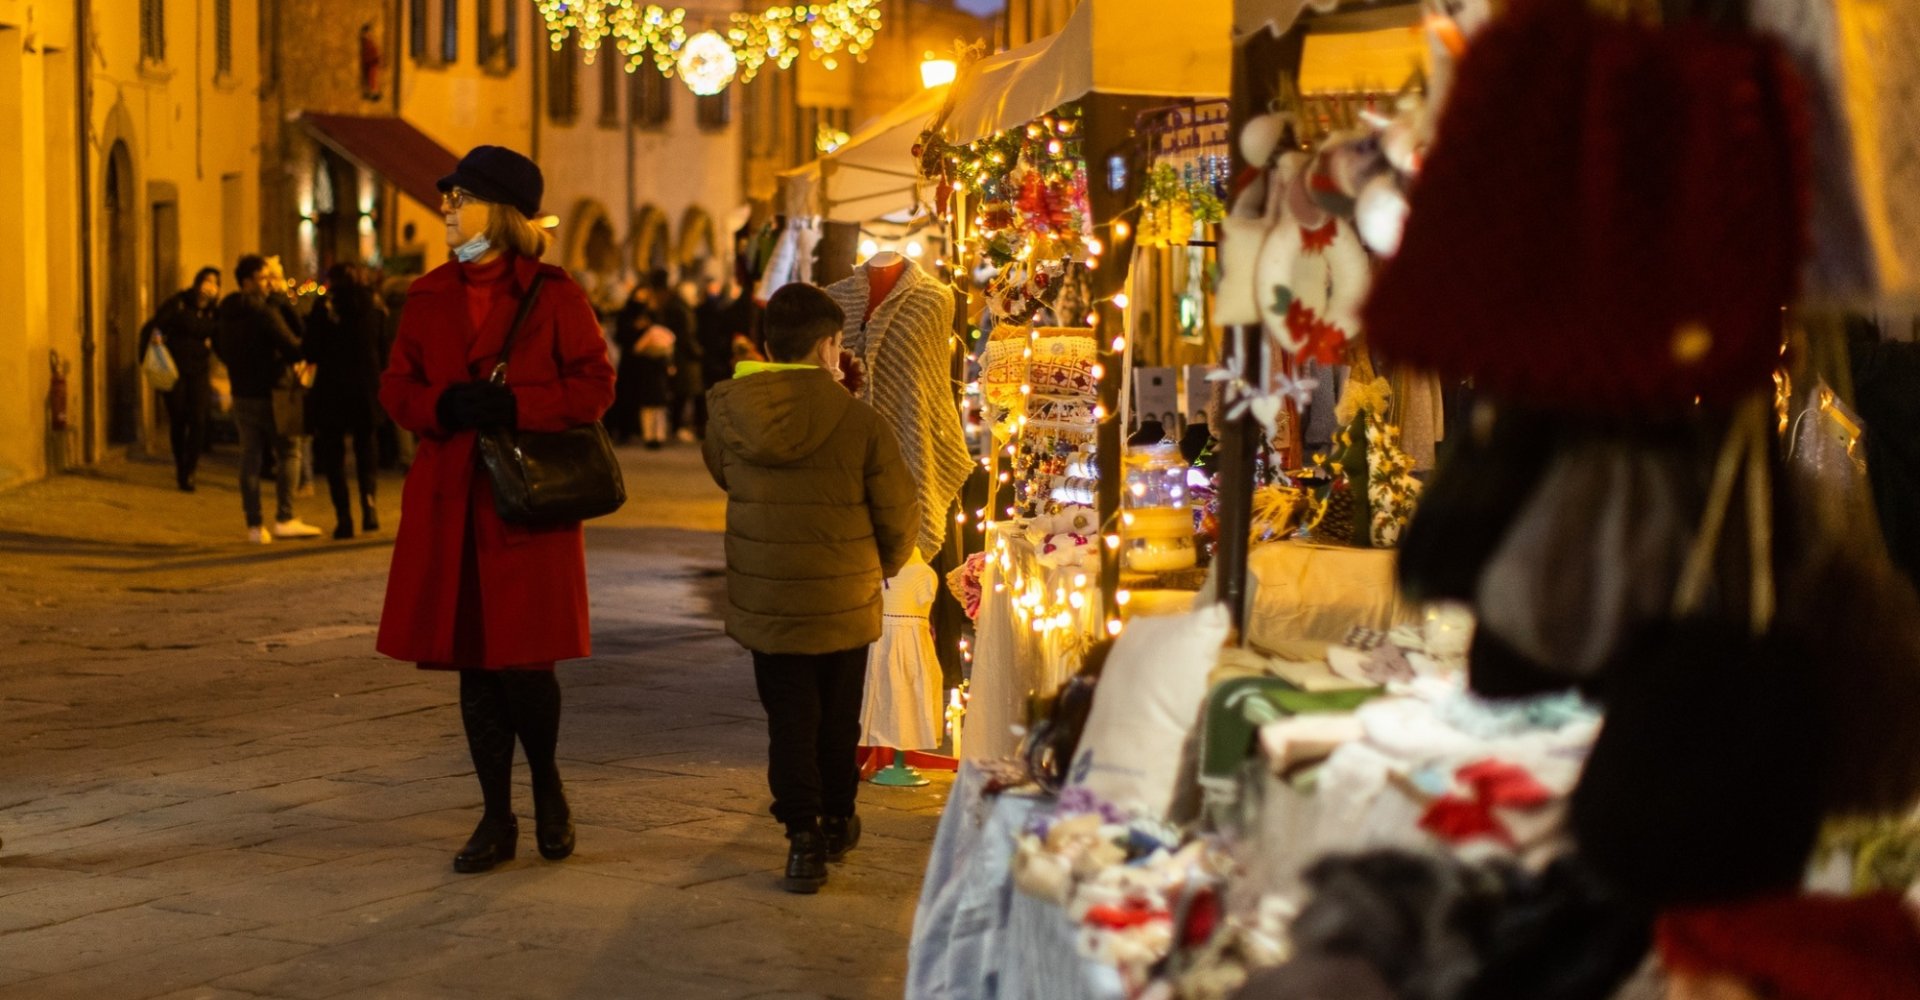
(212, 787)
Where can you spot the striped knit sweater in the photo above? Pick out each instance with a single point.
(907, 350)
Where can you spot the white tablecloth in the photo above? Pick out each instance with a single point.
(977, 938)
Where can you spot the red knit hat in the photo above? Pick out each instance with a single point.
(1801, 947)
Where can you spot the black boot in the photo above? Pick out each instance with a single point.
(492, 843)
(483, 711)
(342, 510)
(369, 517)
(533, 701)
(806, 859)
(842, 835)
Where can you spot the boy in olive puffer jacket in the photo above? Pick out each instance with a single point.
(820, 511)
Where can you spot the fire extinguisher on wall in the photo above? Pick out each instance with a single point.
(57, 391)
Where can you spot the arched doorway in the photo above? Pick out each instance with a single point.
(698, 245)
(336, 210)
(652, 241)
(121, 330)
(591, 253)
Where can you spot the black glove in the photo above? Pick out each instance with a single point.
(458, 407)
(494, 406)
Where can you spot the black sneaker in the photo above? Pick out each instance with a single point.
(842, 834)
(806, 862)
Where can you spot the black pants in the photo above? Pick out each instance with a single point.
(330, 457)
(187, 405)
(813, 731)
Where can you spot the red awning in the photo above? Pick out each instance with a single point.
(403, 155)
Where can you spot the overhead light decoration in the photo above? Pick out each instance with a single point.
(937, 72)
(777, 35)
(707, 63)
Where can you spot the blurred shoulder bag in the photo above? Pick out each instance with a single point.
(547, 478)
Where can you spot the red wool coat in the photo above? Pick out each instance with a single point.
(532, 581)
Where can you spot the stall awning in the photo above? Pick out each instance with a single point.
(1148, 47)
(873, 173)
(404, 156)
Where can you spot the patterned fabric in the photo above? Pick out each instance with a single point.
(906, 347)
(1063, 361)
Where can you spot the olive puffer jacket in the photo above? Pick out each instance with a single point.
(820, 510)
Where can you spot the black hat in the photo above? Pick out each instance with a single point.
(499, 175)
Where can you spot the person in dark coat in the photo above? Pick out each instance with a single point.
(260, 350)
(643, 388)
(687, 404)
(468, 591)
(726, 314)
(187, 323)
(343, 341)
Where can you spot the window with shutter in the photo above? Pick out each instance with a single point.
(563, 82)
(417, 29)
(153, 30)
(450, 31)
(714, 111)
(650, 99)
(223, 37)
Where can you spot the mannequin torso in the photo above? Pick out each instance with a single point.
(883, 274)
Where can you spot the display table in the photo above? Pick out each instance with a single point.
(1021, 646)
(977, 938)
(1298, 592)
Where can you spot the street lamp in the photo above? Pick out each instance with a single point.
(937, 72)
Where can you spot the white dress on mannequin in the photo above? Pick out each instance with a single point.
(905, 694)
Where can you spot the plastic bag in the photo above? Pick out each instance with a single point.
(162, 373)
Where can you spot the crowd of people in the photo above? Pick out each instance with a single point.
(303, 378)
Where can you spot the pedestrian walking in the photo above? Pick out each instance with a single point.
(498, 602)
(684, 389)
(725, 315)
(187, 323)
(820, 510)
(643, 390)
(343, 343)
(260, 351)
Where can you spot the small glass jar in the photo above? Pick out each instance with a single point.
(1156, 525)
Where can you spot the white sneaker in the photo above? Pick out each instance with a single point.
(685, 436)
(259, 536)
(295, 528)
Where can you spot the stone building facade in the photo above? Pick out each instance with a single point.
(130, 163)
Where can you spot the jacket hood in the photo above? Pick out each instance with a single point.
(777, 417)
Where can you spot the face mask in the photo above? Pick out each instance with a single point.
(473, 249)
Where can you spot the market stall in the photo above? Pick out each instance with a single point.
(1406, 787)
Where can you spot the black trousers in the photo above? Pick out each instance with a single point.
(187, 405)
(813, 731)
(330, 456)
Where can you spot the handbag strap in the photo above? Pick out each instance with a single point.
(499, 375)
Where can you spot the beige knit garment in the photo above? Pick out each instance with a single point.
(907, 350)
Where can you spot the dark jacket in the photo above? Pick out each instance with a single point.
(343, 342)
(716, 324)
(820, 510)
(257, 345)
(188, 329)
(677, 317)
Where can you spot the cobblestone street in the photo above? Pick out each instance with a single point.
(214, 788)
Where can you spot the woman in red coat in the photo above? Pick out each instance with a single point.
(497, 602)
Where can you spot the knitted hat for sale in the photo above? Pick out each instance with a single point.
(499, 175)
(1801, 947)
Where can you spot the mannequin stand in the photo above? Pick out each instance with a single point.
(898, 774)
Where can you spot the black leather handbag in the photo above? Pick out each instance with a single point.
(549, 478)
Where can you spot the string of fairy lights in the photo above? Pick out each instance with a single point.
(709, 60)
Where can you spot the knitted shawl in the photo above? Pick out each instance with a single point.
(907, 350)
